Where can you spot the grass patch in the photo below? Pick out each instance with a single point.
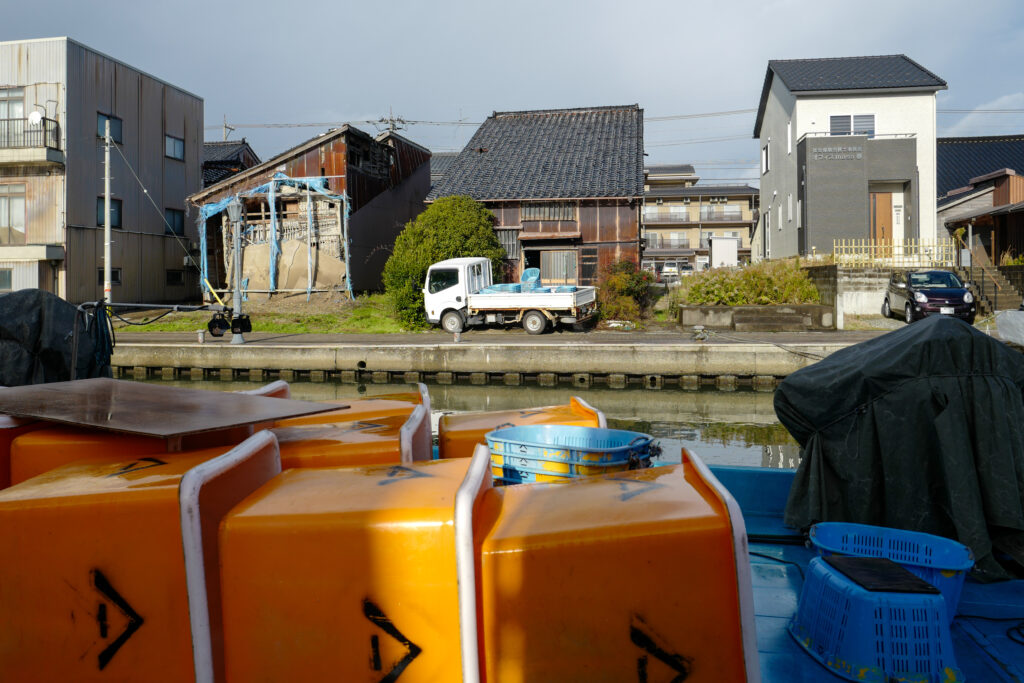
(367, 315)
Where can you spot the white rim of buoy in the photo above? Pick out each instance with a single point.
(408, 432)
(744, 579)
(602, 421)
(465, 561)
(191, 486)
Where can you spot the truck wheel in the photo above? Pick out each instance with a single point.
(451, 322)
(534, 322)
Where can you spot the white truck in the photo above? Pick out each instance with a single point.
(460, 293)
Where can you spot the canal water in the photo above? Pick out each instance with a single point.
(722, 427)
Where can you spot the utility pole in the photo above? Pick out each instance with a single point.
(107, 294)
(235, 216)
(226, 128)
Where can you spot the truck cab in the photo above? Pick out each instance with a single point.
(449, 284)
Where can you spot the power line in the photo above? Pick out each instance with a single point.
(980, 111)
(702, 115)
(696, 141)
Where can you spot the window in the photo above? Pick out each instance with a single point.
(789, 137)
(12, 214)
(115, 127)
(548, 211)
(765, 160)
(864, 124)
(174, 147)
(175, 278)
(789, 207)
(115, 212)
(115, 276)
(5, 279)
(441, 279)
(779, 221)
(175, 222)
(859, 124)
(839, 125)
(509, 239)
(12, 103)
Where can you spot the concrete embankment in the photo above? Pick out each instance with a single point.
(652, 365)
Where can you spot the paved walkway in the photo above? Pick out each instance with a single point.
(510, 337)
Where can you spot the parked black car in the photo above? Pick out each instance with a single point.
(916, 294)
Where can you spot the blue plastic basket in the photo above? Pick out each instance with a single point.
(873, 637)
(545, 453)
(942, 562)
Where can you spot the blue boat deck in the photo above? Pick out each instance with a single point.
(984, 649)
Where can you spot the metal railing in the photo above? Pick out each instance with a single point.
(21, 133)
(872, 136)
(668, 217)
(655, 241)
(721, 213)
(907, 253)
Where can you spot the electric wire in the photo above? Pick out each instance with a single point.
(163, 217)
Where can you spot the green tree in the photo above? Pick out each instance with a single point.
(449, 228)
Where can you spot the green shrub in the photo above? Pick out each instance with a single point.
(763, 284)
(449, 228)
(624, 291)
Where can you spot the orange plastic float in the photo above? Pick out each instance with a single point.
(604, 577)
(458, 435)
(109, 570)
(392, 428)
(344, 574)
(10, 429)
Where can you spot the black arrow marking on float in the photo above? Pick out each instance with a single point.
(140, 464)
(135, 621)
(628, 493)
(528, 413)
(362, 426)
(399, 472)
(376, 615)
(640, 634)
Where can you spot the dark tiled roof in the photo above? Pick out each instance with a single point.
(551, 154)
(881, 72)
(214, 173)
(703, 191)
(229, 150)
(670, 169)
(440, 162)
(960, 159)
(854, 73)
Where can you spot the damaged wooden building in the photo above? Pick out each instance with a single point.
(321, 216)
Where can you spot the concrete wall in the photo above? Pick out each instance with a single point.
(851, 291)
(840, 174)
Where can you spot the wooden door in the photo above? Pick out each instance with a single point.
(881, 217)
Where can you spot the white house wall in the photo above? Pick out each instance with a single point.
(895, 114)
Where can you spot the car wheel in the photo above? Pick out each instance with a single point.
(908, 314)
(451, 322)
(534, 322)
(886, 311)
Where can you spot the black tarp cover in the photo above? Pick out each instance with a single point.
(919, 429)
(36, 340)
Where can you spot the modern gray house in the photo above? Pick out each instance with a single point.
(847, 149)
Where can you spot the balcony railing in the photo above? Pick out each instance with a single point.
(22, 134)
(721, 213)
(655, 241)
(667, 217)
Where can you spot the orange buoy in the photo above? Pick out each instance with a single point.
(344, 574)
(110, 569)
(459, 434)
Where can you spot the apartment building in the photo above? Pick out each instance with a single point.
(847, 149)
(56, 96)
(681, 216)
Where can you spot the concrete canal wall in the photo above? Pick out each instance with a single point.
(617, 365)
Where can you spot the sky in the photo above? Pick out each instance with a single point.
(452, 62)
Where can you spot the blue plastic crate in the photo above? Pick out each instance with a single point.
(873, 637)
(545, 453)
(942, 562)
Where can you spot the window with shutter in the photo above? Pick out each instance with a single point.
(839, 125)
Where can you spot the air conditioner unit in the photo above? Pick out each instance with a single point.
(686, 200)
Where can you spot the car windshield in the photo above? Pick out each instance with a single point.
(935, 280)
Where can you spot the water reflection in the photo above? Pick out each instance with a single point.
(725, 428)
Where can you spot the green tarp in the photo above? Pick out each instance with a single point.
(919, 429)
